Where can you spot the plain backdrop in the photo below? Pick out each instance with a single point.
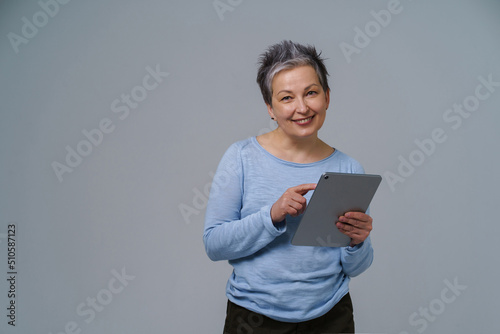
(115, 114)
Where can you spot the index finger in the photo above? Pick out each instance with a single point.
(304, 188)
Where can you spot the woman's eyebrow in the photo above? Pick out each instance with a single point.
(284, 91)
(290, 92)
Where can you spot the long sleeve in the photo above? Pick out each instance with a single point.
(355, 260)
(227, 235)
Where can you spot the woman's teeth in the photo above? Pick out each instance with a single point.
(304, 120)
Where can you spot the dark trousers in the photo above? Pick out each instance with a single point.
(339, 319)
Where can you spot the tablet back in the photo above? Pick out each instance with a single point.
(335, 194)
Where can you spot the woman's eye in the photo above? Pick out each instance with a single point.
(286, 98)
(312, 92)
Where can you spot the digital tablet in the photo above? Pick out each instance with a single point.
(335, 194)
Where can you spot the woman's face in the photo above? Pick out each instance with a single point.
(299, 102)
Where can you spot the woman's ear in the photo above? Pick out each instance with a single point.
(327, 95)
(270, 111)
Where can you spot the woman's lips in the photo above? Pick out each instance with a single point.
(304, 121)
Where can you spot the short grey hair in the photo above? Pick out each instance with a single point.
(284, 56)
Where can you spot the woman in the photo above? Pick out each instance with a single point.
(260, 189)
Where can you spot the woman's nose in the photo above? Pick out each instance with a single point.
(301, 106)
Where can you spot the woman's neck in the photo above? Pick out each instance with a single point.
(300, 150)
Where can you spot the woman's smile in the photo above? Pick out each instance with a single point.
(304, 121)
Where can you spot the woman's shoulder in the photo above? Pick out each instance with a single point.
(241, 145)
(241, 148)
(347, 163)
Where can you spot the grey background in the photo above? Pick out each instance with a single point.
(121, 208)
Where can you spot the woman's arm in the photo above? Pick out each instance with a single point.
(357, 259)
(227, 235)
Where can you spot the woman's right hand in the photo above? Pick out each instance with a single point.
(292, 202)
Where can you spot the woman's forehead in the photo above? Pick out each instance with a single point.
(295, 78)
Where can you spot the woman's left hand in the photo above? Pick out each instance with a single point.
(356, 225)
